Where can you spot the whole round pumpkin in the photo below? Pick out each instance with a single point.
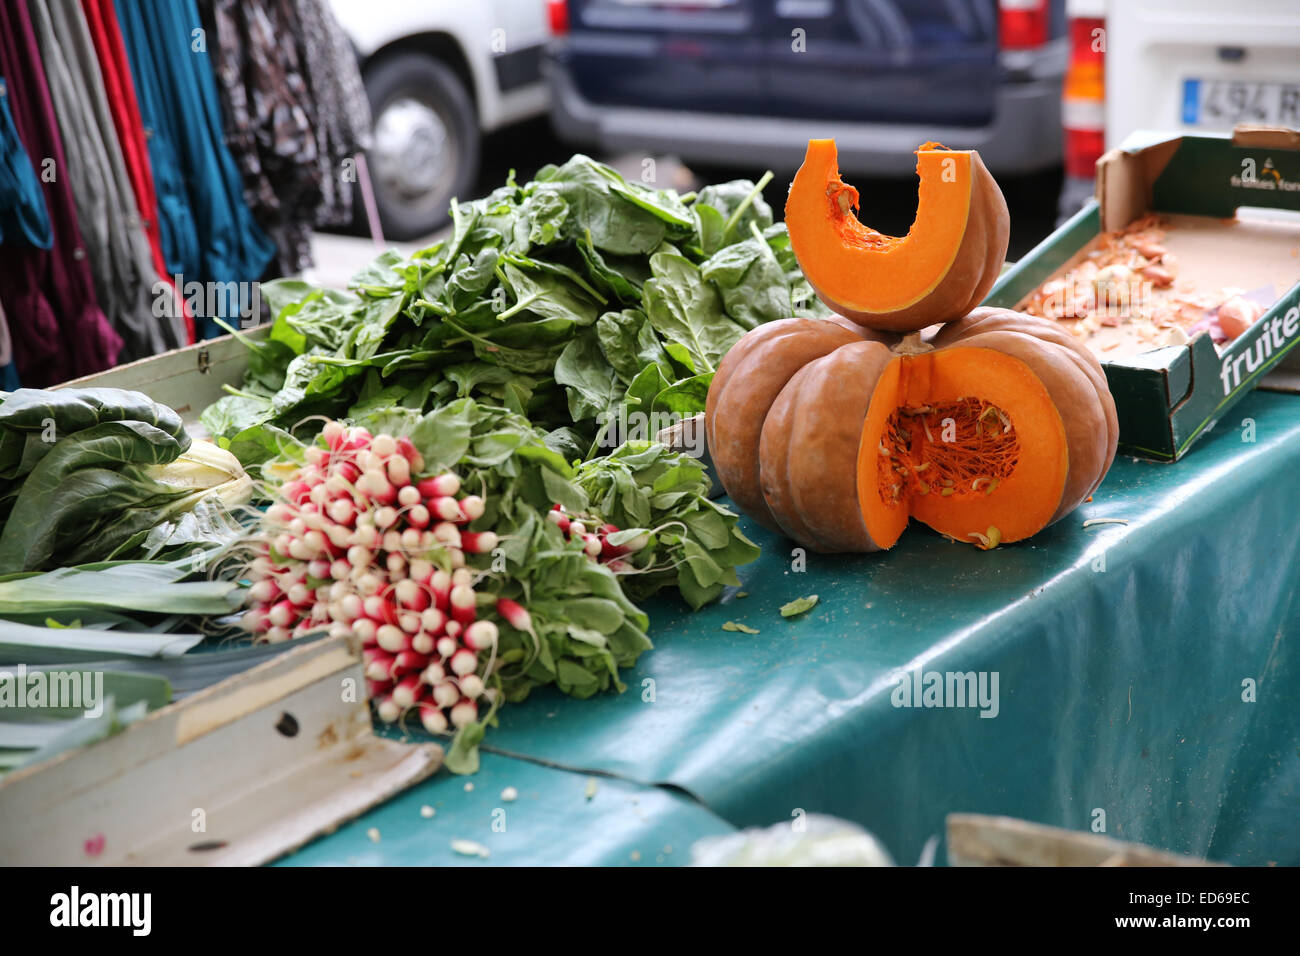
(938, 272)
(836, 436)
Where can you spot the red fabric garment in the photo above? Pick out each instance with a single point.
(58, 328)
(101, 16)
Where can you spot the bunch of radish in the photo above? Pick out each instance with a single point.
(594, 538)
(361, 542)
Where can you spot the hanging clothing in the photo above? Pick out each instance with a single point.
(58, 329)
(115, 69)
(269, 119)
(176, 226)
(184, 110)
(118, 249)
(342, 107)
(22, 207)
(295, 113)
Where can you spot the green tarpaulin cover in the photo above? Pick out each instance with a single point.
(1146, 675)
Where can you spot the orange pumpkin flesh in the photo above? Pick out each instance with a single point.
(958, 441)
(837, 440)
(939, 271)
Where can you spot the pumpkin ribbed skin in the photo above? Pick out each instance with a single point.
(746, 384)
(810, 487)
(787, 408)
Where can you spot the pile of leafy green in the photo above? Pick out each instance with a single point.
(572, 300)
(89, 474)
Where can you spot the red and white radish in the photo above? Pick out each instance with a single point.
(357, 542)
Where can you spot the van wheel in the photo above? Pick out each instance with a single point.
(426, 142)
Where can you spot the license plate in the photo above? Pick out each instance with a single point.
(1221, 104)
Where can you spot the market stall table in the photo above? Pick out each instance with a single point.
(556, 818)
(1147, 675)
(1145, 684)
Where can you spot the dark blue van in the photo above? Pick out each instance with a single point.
(727, 81)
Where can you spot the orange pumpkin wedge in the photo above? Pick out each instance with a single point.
(938, 272)
(1001, 426)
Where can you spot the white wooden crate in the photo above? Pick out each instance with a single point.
(236, 774)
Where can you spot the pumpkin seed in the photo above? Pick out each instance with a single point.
(946, 492)
(923, 487)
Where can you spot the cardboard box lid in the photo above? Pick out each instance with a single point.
(1127, 175)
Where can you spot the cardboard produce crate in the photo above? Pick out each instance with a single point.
(1167, 397)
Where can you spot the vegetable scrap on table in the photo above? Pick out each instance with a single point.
(1129, 282)
(799, 606)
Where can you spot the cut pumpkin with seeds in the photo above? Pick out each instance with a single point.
(999, 426)
(938, 272)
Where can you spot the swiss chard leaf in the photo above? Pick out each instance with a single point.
(89, 494)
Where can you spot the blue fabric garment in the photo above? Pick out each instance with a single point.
(23, 217)
(180, 241)
(221, 242)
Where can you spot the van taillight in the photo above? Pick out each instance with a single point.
(558, 14)
(1083, 106)
(1022, 24)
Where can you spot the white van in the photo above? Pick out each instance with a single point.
(439, 74)
(1177, 65)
